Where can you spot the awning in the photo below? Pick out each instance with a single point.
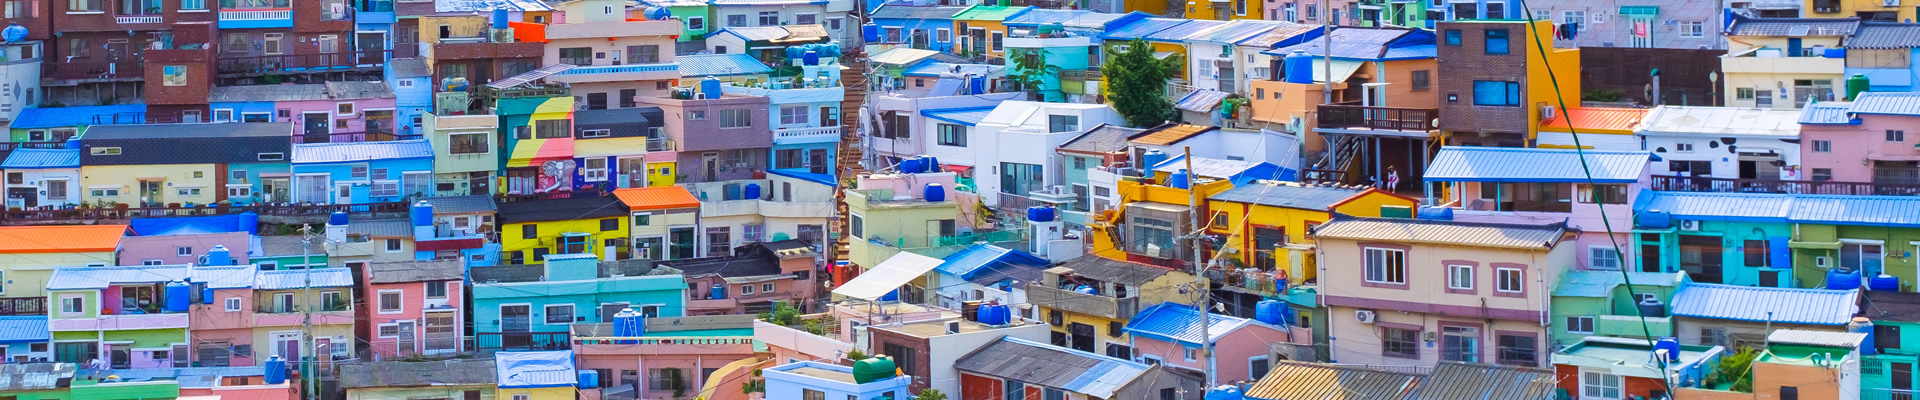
(532, 152)
(888, 276)
(1640, 10)
(1342, 69)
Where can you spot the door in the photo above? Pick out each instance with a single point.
(660, 174)
(442, 333)
(817, 161)
(118, 49)
(1650, 252)
(1701, 257)
(285, 344)
(404, 335)
(632, 172)
(150, 191)
(479, 183)
(650, 248)
(681, 242)
(1460, 343)
(709, 167)
(314, 127)
(515, 321)
(372, 48)
(276, 190)
(120, 356)
(1902, 375)
(28, 197)
(342, 193)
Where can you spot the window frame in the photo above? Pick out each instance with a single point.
(398, 305)
(1504, 274)
(546, 313)
(1387, 272)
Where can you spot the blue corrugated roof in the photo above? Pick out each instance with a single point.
(42, 158)
(24, 328)
(1827, 114)
(823, 179)
(1240, 29)
(1237, 171)
(314, 153)
(969, 116)
(980, 256)
(192, 225)
(1178, 323)
(69, 116)
(1891, 103)
(1764, 304)
(943, 69)
(1142, 28)
(296, 279)
(720, 65)
(1857, 210)
(1716, 206)
(1503, 164)
(534, 369)
(1040, 16)
(1179, 33)
(1891, 211)
(1365, 44)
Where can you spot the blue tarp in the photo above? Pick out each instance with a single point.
(72, 116)
(534, 369)
(194, 225)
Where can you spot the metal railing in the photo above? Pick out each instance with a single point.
(610, 69)
(87, 68)
(795, 133)
(303, 63)
(1674, 183)
(256, 15)
(660, 144)
(139, 19)
(1089, 74)
(521, 341)
(1889, 394)
(351, 137)
(270, 308)
(1342, 116)
(11, 146)
(68, 214)
(23, 306)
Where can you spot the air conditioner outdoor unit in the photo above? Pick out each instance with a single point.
(1891, 3)
(1546, 112)
(1364, 316)
(1689, 225)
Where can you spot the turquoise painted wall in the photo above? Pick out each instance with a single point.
(586, 295)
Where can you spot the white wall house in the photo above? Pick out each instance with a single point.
(1694, 140)
(1014, 145)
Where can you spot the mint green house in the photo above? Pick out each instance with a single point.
(1776, 240)
(131, 317)
(694, 15)
(1384, 13)
(1599, 303)
(1889, 369)
(533, 305)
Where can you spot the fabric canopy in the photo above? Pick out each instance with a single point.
(889, 275)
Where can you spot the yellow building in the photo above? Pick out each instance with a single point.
(1143, 227)
(1267, 224)
(666, 223)
(530, 230)
(982, 30)
(1225, 10)
(1867, 10)
(28, 255)
(535, 375)
(1769, 66)
(1086, 300)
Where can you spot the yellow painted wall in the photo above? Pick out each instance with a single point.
(551, 393)
(1132, 192)
(127, 179)
(460, 26)
(1206, 9)
(1540, 88)
(991, 27)
(549, 232)
(660, 221)
(1165, 289)
(1179, 49)
(27, 273)
(1232, 219)
(1849, 8)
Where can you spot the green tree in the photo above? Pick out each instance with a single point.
(1030, 70)
(1136, 83)
(1736, 370)
(783, 315)
(930, 394)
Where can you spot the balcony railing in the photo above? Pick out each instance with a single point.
(59, 215)
(352, 137)
(268, 308)
(23, 306)
(1674, 183)
(11, 146)
(1090, 74)
(1090, 304)
(828, 133)
(139, 19)
(615, 69)
(660, 144)
(85, 68)
(1341, 116)
(304, 63)
(521, 341)
(256, 15)
(1889, 394)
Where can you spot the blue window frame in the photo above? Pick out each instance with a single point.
(1453, 37)
(1496, 93)
(1497, 41)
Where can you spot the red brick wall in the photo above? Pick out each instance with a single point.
(880, 338)
(199, 79)
(309, 16)
(1461, 65)
(38, 20)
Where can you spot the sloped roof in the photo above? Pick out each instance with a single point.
(1103, 269)
(752, 33)
(60, 238)
(54, 117)
(1052, 366)
(1141, 28)
(1221, 168)
(393, 228)
(353, 90)
(1480, 234)
(1849, 340)
(288, 92)
(316, 153)
(1361, 43)
(720, 65)
(657, 198)
(281, 246)
(177, 131)
(1040, 16)
(296, 279)
(1289, 195)
(1461, 380)
(42, 158)
(1500, 164)
(1170, 133)
(1239, 30)
(1202, 100)
(22, 328)
(1763, 304)
(1881, 305)
(415, 271)
(1744, 121)
(1889, 103)
(988, 13)
(1801, 27)
(412, 67)
(478, 203)
(969, 116)
(1180, 33)
(908, 11)
(471, 6)
(1885, 35)
(1175, 322)
(1883, 211)
(1601, 283)
(1589, 119)
(35, 376)
(1105, 138)
(946, 69)
(562, 209)
(191, 225)
(458, 371)
(902, 56)
(102, 277)
(1290, 380)
(1828, 113)
(984, 256)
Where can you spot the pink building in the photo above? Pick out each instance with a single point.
(223, 325)
(181, 249)
(688, 350)
(1863, 141)
(412, 308)
(1543, 186)
(218, 383)
(1165, 335)
(759, 274)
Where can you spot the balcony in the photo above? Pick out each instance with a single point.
(23, 306)
(598, 339)
(1090, 74)
(823, 134)
(303, 63)
(352, 137)
(520, 341)
(139, 19)
(1406, 121)
(101, 69)
(111, 322)
(256, 18)
(1672, 183)
(660, 144)
(267, 314)
(1082, 303)
(373, 12)
(1629, 326)
(615, 73)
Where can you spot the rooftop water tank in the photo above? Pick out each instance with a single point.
(1856, 85)
(710, 87)
(13, 33)
(997, 314)
(752, 192)
(1040, 214)
(1837, 280)
(179, 295)
(658, 14)
(1653, 219)
(1299, 67)
(873, 369)
(934, 193)
(719, 292)
(218, 255)
(421, 213)
(1652, 308)
(1152, 158)
(1270, 311)
(1178, 180)
(337, 218)
(276, 370)
(1884, 283)
(870, 32)
(500, 18)
(589, 379)
(248, 222)
(1863, 325)
(1084, 289)
(1671, 345)
(1436, 213)
(912, 165)
(810, 58)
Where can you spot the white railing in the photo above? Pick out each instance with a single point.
(254, 15)
(139, 19)
(795, 133)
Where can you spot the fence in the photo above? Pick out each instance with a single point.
(121, 212)
(1732, 185)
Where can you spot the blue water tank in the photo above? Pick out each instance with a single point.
(276, 370)
(1299, 67)
(891, 296)
(248, 222)
(870, 32)
(658, 14)
(589, 379)
(810, 58)
(1863, 325)
(1436, 213)
(1270, 311)
(710, 86)
(421, 213)
(934, 193)
(1836, 52)
(1671, 345)
(977, 84)
(219, 255)
(1653, 219)
(1178, 180)
(1086, 289)
(453, 84)
(1884, 283)
(629, 323)
(719, 292)
(13, 33)
(179, 295)
(1040, 214)
(1837, 280)
(73, 143)
(1152, 158)
(499, 18)
(994, 314)
(752, 191)
(338, 218)
(912, 165)
(932, 164)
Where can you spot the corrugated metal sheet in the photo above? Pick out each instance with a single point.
(969, 116)
(1891, 211)
(1500, 164)
(1202, 100)
(35, 376)
(1040, 16)
(1890, 103)
(1092, 20)
(1349, 43)
(1236, 31)
(1885, 35)
(1411, 52)
(1209, 167)
(316, 153)
(720, 65)
(1105, 138)
(393, 228)
(229, 277)
(54, 117)
(657, 198)
(469, 6)
(1797, 27)
(1178, 322)
(247, 93)
(1291, 380)
(479, 371)
(752, 33)
(281, 246)
(1723, 121)
(1141, 28)
(989, 13)
(23, 328)
(1763, 304)
(296, 279)
(462, 204)
(946, 69)
(1586, 119)
(1400, 230)
(355, 90)
(414, 67)
(1180, 33)
(1170, 133)
(534, 369)
(1831, 113)
(765, 2)
(1453, 380)
(972, 259)
(1602, 283)
(102, 277)
(1886, 211)
(1279, 35)
(42, 158)
(1817, 338)
(1288, 195)
(1052, 366)
(60, 238)
(415, 271)
(1716, 206)
(908, 11)
(797, 33)
(901, 56)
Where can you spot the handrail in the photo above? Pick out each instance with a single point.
(1675, 183)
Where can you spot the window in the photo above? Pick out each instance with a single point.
(577, 56)
(1886, 336)
(1016, 390)
(1402, 343)
(952, 135)
(1508, 280)
(696, 23)
(1860, 257)
(769, 18)
(1599, 385)
(1823, 146)
(1453, 37)
(806, 19)
(719, 241)
(857, 225)
(1606, 194)
(736, 20)
(183, 251)
(1693, 29)
(1580, 325)
(467, 143)
(1063, 123)
(559, 313)
(233, 304)
(810, 394)
(1745, 93)
(643, 54)
(999, 41)
(1388, 266)
(529, 231)
(1422, 80)
(766, 287)
(794, 114)
(1460, 277)
(1896, 136)
(1496, 93)
(83, 6)
(389, 301)
(746, 289)
(393, 245)
(738, 118)
(1520, 350)
(1576, 18)
(553, 129)
(176, 75)
(1603, 257)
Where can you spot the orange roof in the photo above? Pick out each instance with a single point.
(60, 238)
(657, 198)
(1169, 134)
(1615, 120)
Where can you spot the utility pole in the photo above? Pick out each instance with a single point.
(309, 382)
(1326, 49)
(1199, 265)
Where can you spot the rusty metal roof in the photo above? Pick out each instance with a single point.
(1295, 380)
(1459, 380)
